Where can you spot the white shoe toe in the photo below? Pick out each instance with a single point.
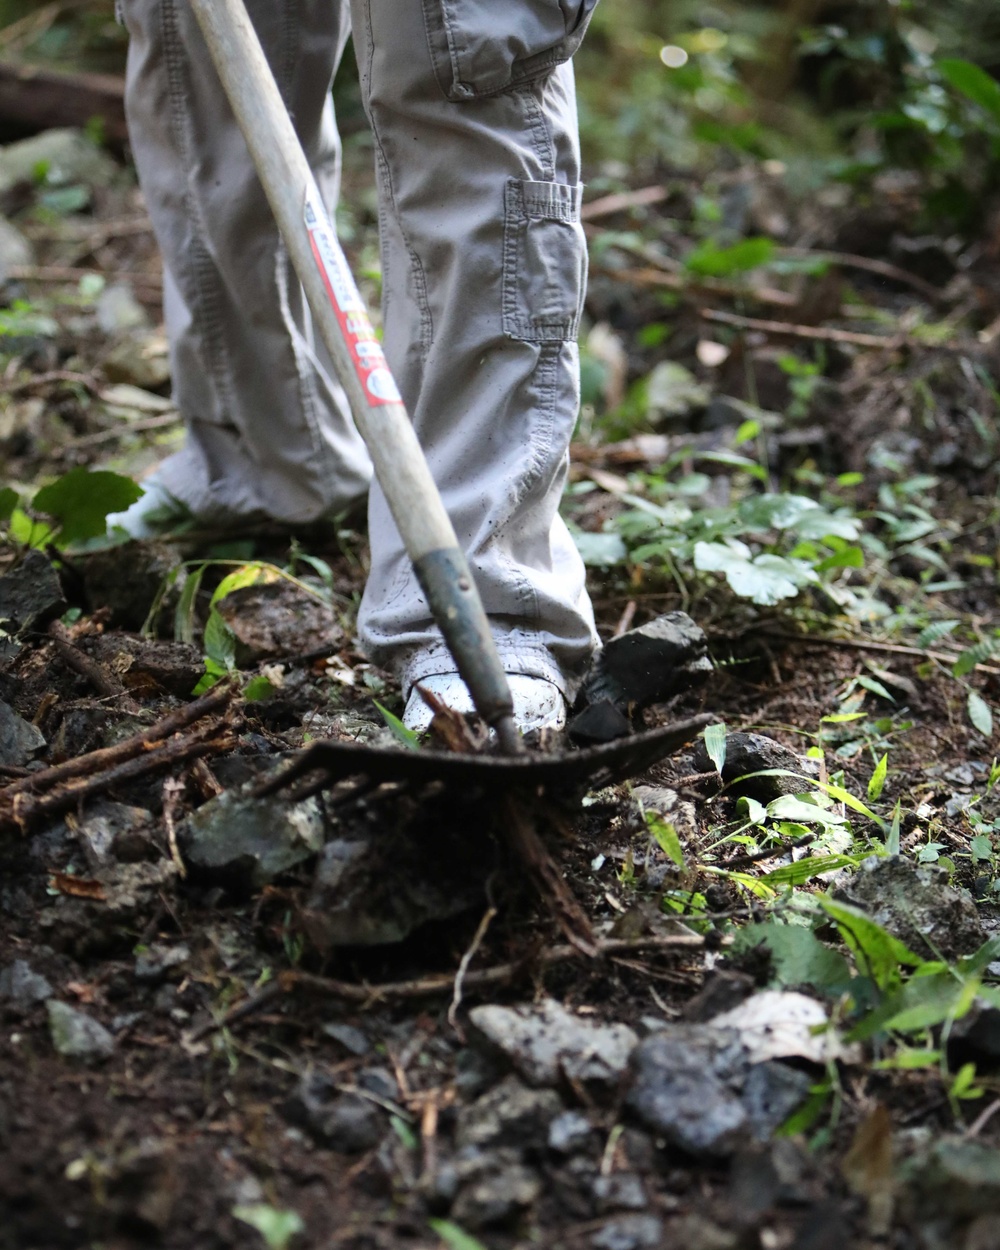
(538, 704)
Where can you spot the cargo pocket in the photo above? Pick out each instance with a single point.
(482, 47)
(544, 261)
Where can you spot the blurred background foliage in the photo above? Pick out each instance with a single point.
(835, 90)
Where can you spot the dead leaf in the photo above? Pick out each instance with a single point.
(867, 1168)
(77, 887)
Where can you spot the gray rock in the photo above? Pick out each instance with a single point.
(545, 1043)
(344, 1122)
(154, 963)
(686, 1087)
(630, 1232)
(753, 753)
(16, 250)
(251, 840)
(30, 594)
(20, 985)
(140, 359)
(695, 1232)
(107, 824)
(621, 1191)
(77, 1035)
(376, 890)
(950, 1183)
(570, 1133)
(118, 311)
(695, 1085)
(649, 664)
(66, 155)
(599, 722)
(352, 1039)
(771, 1092)
(916, 904)
(510, 1114)
(496, 1198)
(19, 739)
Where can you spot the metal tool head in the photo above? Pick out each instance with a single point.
(326, 763)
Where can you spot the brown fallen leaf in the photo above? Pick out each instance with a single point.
(867, 1168)
(78, 887)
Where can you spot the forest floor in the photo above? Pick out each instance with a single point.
(205, 1028)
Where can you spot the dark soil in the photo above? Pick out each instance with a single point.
(222, 1005)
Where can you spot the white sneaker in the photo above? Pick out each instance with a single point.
(156, 512)
(538, 704)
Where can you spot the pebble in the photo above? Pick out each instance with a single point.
(20, 985)
(77, 1035)
(546, 1043)
(630, 1232)
(510, 1114)
(570, 1133)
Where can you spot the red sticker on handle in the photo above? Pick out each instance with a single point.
(367, 356)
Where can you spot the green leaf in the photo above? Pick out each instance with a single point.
(935, 632)
(793, 807)
(220, 641)
(753, 810)
(257, 688)
(980, 847)
(8, 502)
(841, 718)
(80, 501)
(246, 575)
(974, 83)
(712, 261)
(798, 957)
(600, 551)
(764, 579)
(876, 687)
(980, 714)
(666, 837)
(876, 783)
(892, 837)
(276, 1227)
(878, 953)
(803, 870)
(184, 612)
(408, 737)
(455, 1238)
(715, 745)
(978, 654)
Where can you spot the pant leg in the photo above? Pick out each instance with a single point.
(483, 274)
(267, 425)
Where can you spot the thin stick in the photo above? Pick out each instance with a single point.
(890, 648)
(821, 334)
(607, 205)
(463, 968)
(105, 683)
(65, 273)
(64, 376)
(883, 268)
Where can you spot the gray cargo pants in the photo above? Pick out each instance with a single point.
(473, 111)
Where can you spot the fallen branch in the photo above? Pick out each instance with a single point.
(52, 377)
(861, 644)
(39, 99)
(685, 282)
(63, 273)
(621, 201)
(427, 987)
(107, 757)
(821, 334)
(848, 260)
(26, 809)
(106, 684)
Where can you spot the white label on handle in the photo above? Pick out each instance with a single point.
(366, 351)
